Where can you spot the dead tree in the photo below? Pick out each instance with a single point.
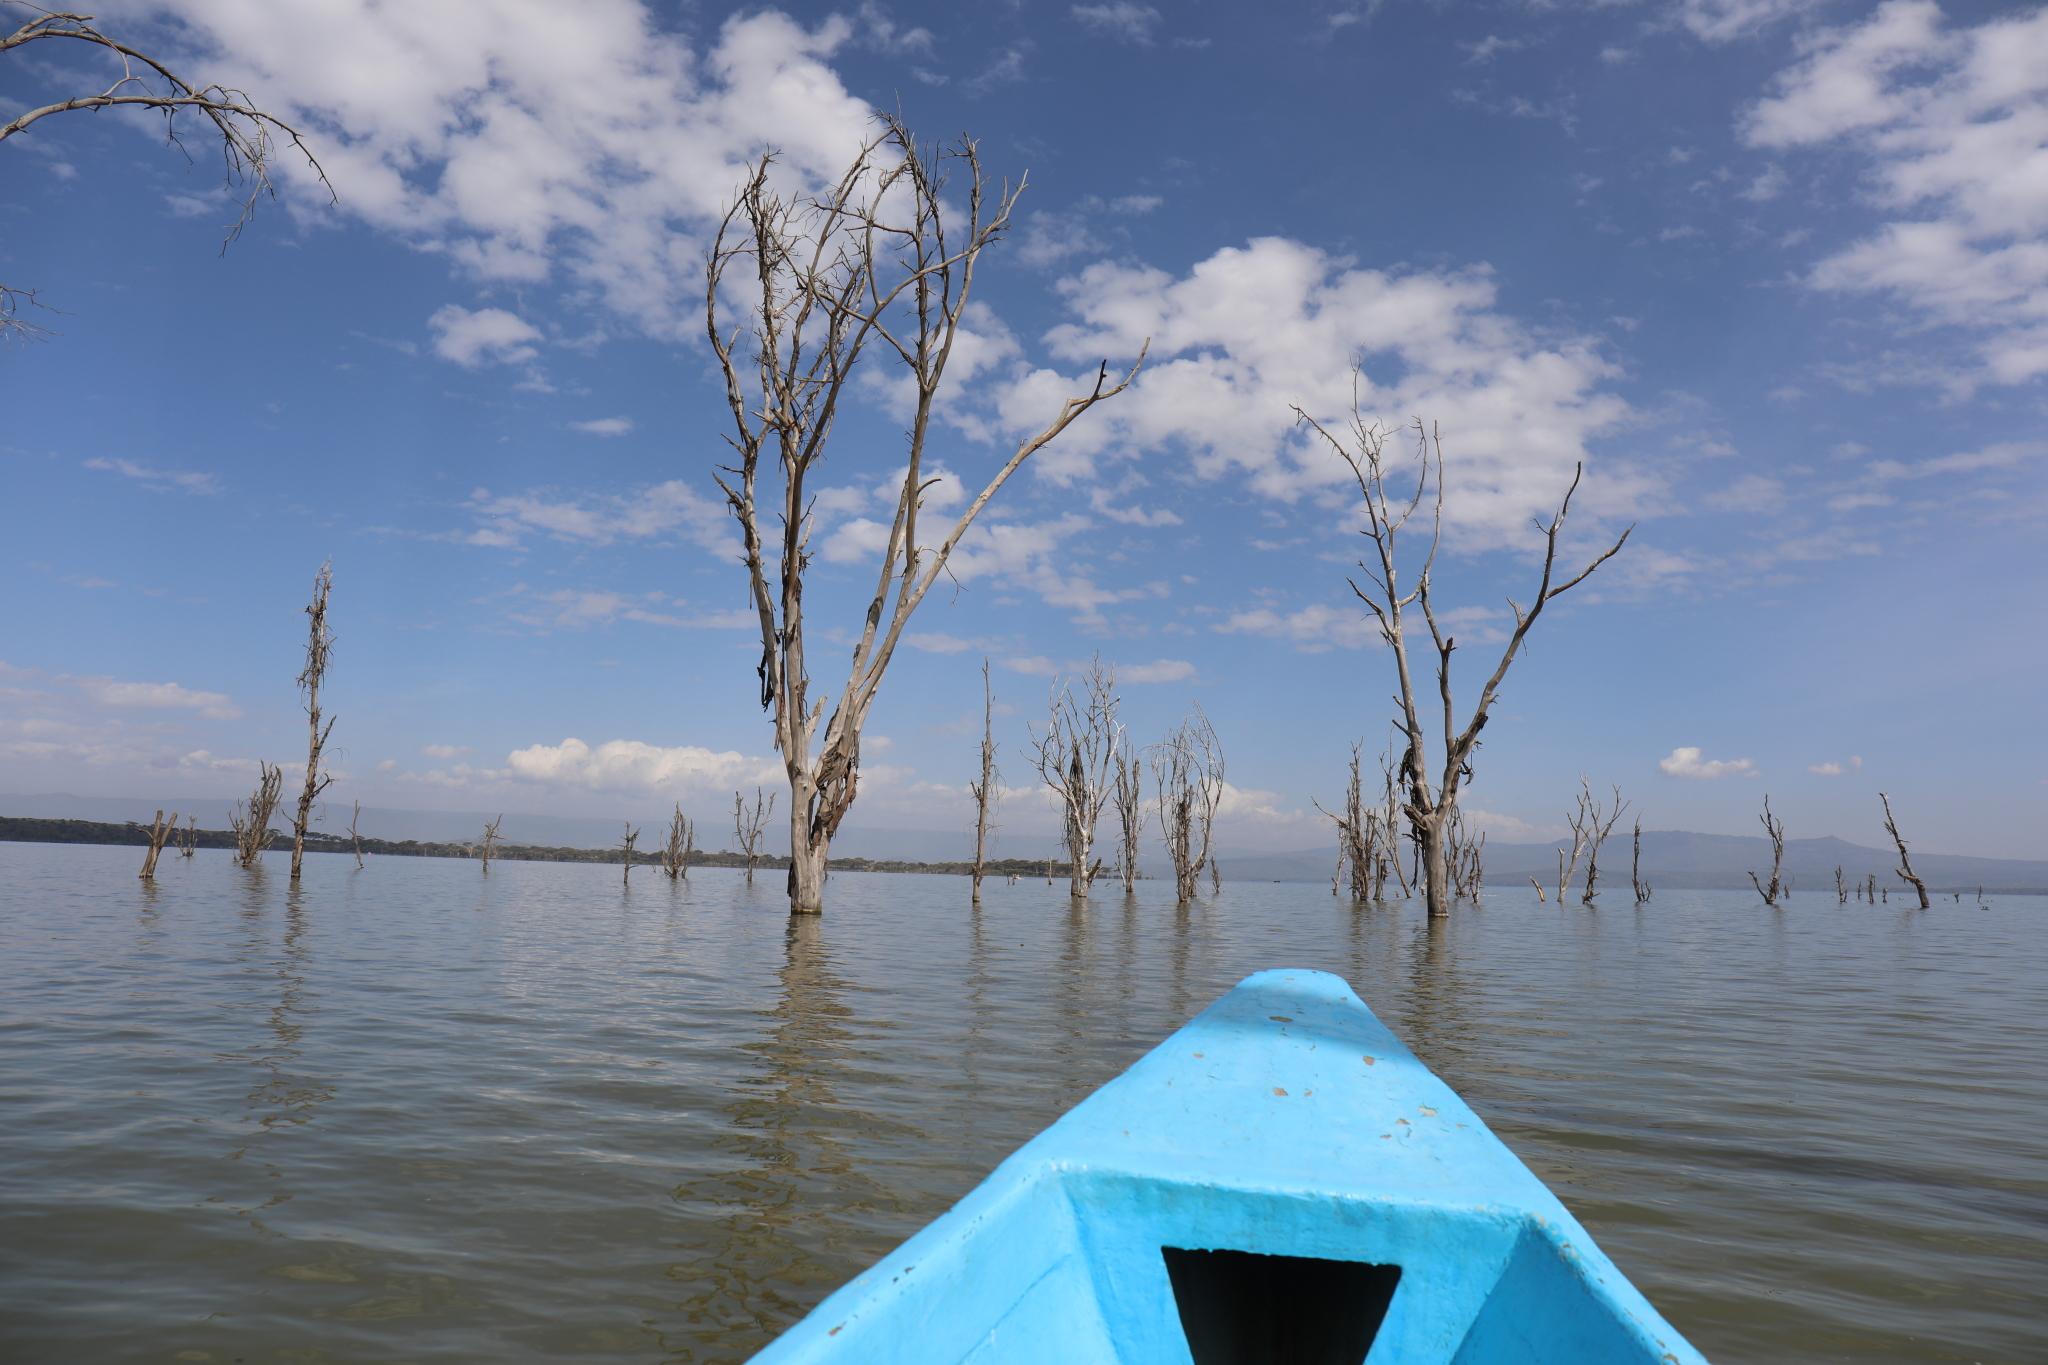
(1541, 899)
(1841, 890)
(1462, 856)
(626, 842)
(1390, 832)
(252, 826)
(987, 788)
(1905, 863)
(1074, 755)
(355, 838)
(1128, 796)
(319, 644)
(1775, 829)
(748, 826)
(1602, 827)
(1584, 821)
(244, 130)
(191, 837)
(1359, 829)
(159, 834)
(1187, 768)
(1429, 797)
(682, 842)
(1635, 867)
(491, 839)
(871, 259)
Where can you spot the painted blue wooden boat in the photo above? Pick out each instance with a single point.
(1281, 1182)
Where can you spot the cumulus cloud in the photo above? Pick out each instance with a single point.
(159, 480)
(444, 751)
(1854, 765)
(1313, 629)
(1952, 124)
(1721, 21)
(1687, 762)
(489, 336)
(600, 518)
(151, 696)
(606, 426)
(1253, 330)
(525, 148)
(629, 765)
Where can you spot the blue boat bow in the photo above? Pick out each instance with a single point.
(1281, 1182)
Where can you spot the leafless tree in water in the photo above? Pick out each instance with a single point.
(749, 825)
(1905, 864)
(626, 842)
(872, 259)
(1358, 834)
(987, 787)
(1775, 829)
(244, 130)
(353, 837)
(319, 645)
(490, 844)
(1187, 769)
(1841, 888)
(1635, 867)
(1603, 825)
(160, 833)
(191, 843)
(1428, 798)
(1128, 796)
(1074, 755)
(1464, 857)
(252, 826)
(682, 842)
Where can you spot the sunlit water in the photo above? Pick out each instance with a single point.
(414, 1113)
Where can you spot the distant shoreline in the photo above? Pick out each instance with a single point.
(33, 830)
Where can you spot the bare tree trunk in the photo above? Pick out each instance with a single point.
(1775, 828)
(872, 259)
(1357, 833)
(159, 833)
(1129, 798)
(1188, 770)
(252, 828)
(491, 839)
(354, 837)
(319, 643)
(748, 826)
(191, 836)
(1905, 863)
(1081, 742)
(675, 854)
(632, 836)
(1635, 868)
(1541, 899)
(1599, 836)
(1428, 797)
(1841, 891)
(987, 790)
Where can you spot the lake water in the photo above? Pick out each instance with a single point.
(414, 1113)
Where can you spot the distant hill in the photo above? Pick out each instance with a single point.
(1679, 860)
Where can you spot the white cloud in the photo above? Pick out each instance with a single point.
(489, 336)
(575, 609)
(1721, 21)
(523, 145)
(600, 519)
(1854, 765)
(1251, 330)
(159, 480)
(1158, 671)
(1119, 19)
(443, 751)
(152, 696)
(1687, 762)
(1954, 125)
(630, 765)
(606, 426)
(1314, 628)
(1750, 493)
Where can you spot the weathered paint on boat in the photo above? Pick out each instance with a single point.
(1285, 1121)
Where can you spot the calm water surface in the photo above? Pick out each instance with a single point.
(417, 1114)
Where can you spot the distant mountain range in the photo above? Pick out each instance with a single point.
(1674, 859)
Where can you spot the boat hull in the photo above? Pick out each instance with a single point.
(1280, 1180)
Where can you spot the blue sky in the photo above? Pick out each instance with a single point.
(1776, 272)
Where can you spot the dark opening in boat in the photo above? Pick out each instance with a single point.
(1244, 1308)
